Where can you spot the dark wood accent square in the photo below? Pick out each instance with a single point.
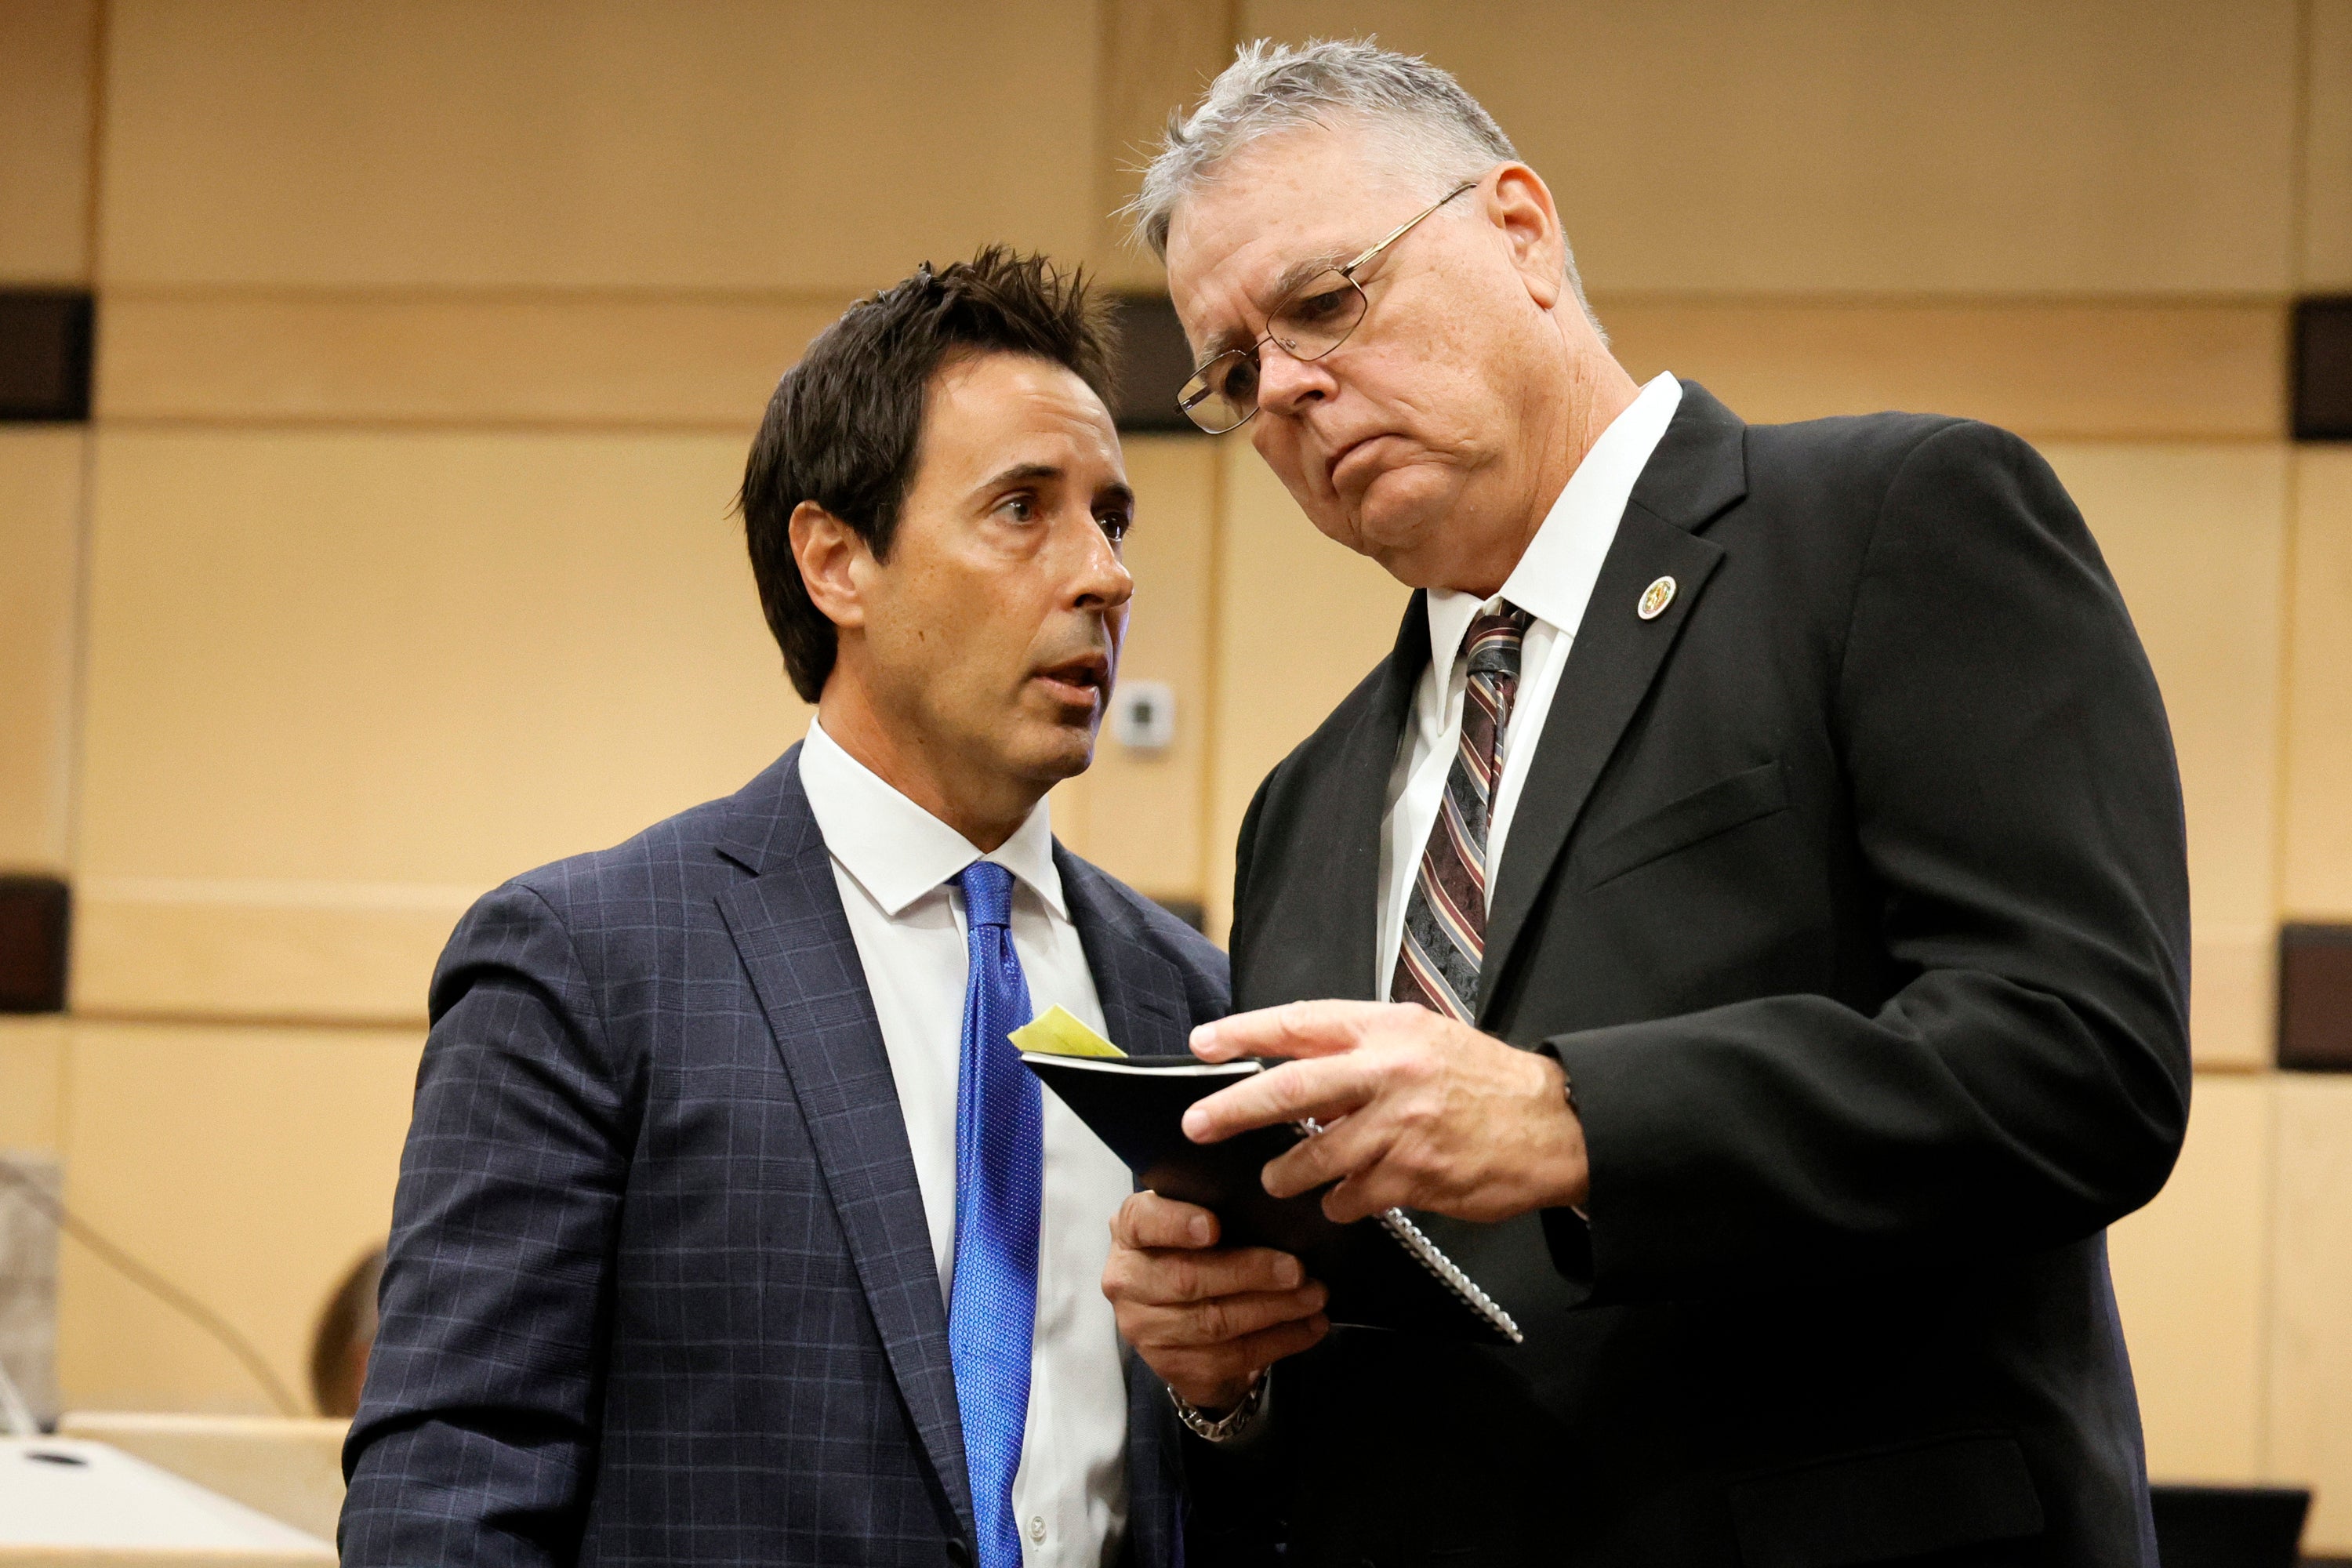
(2316, 998)
(1192, 912)
(1153, 361)
(2227, 1527)
(2323, 369)
(35, 912)
(44, 353)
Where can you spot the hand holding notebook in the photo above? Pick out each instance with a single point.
(1381, 1272)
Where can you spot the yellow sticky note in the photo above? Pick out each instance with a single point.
(1056, 1033)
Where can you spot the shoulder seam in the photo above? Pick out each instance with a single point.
(595, 1013)
(1877, 525)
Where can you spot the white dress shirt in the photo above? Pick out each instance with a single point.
(893, 862)
(1552, 582)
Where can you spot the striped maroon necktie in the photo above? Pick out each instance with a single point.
(1445, 917)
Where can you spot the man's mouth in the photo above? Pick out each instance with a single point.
(1340, 458)
(1078, 682)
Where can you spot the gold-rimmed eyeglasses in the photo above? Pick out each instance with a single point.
(1311, 321)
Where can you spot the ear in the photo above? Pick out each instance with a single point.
(1520, 206)
(833, 561)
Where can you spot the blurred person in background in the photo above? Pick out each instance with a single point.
(344, 1335)
(1746, 915)
(731, 1228)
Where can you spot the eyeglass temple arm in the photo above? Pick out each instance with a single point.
(1398, 233)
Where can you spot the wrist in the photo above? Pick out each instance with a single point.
(1569, 1170)
(1223, 1422)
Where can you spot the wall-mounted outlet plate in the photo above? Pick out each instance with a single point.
(1143, 715)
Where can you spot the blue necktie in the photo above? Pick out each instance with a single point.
(1000, 1176)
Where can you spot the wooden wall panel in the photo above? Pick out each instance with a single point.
(259, 950)
(2318, 838)
(1300, 621)
(40, 537)
(2108, 369)
(1138, 814)
(436, 359)
(251, 1167)
(2311, 1262)
(1959, 145)
(2196, 538)
(2189, 1272)
(2328, 149)
(1157, 54)
(344, 677)
(32, 1083)
(724, 145)
(46, 74)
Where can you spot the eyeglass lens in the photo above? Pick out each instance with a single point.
(1310, 324)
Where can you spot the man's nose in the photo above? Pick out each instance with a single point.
(1285, 385)
(1102, 581)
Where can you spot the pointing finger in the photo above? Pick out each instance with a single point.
(1294, 1030)
(1326, 1090)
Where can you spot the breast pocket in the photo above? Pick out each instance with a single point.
(1693, 818)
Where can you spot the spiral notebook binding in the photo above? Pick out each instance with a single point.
(1449, 1274)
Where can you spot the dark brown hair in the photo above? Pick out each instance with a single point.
(845, 427)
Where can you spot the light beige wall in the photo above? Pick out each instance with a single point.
(2310, 1384)
(2192, 1280)
(40, 541)
(441, 360)
(535, 143)
(1965, 145)
(32, 1083)
(2318, 742)
(251, 1167)
(341, 683)
(2326, 211)
(2118, 369)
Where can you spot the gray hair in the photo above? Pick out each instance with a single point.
(1443, 135)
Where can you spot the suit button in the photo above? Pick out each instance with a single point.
(958, 1554)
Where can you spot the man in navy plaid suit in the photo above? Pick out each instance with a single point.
(730, 1228)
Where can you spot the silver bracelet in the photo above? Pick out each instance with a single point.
(1231, 1424)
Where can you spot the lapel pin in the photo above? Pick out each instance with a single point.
(1655, 598)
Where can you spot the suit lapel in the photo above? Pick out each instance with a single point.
(1357, 786)
(794, 941)
(1700, 468)
(1141, 993)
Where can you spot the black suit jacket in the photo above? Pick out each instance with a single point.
(660, 1289)
(1851, 893)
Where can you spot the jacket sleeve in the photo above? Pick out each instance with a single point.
(2015, 799)
(475, 1437)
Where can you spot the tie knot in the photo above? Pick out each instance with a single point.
(987, 893)
(1492, 644)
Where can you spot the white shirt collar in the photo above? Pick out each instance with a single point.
(897, 851)
(1555, 574)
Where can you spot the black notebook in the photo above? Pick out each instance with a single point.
(1381, 1272)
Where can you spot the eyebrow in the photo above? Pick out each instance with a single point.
(1297, 273)
(1022, 473)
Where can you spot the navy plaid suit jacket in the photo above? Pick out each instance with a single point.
(660, 1287)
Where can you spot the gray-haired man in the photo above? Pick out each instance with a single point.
(1745, 916)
